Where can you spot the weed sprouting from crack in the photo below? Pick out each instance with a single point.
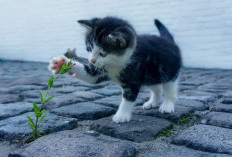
(39, 111)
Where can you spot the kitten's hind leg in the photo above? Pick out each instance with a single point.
(155, 98)
(170, 95)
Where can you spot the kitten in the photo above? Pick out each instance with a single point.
(130, 60)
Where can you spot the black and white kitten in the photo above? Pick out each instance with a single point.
(130, 60)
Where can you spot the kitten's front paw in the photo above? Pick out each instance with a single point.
(56, 64)
(167, 107)
(121, 117)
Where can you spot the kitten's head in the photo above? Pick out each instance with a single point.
(109, 41)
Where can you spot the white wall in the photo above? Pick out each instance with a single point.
(39, 29)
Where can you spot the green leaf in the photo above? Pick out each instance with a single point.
(104, 69)
(96, 68)
(69, 63)
(68, 69)
(30, 119)
(41, 119)
(65, 68)
(50, 82)
(50, 98)
(31, 125)
(34, 131)
(41, 97)
(36, 109)
(62, 69)
(39, 114)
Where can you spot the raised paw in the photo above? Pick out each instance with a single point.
(121, 117)
(167, 108)
(56, 64)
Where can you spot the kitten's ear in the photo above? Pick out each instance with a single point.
(74, 50)
(117, 39)
(86, 23)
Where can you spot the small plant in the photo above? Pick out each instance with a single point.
(103, 68)
(39, 111)
(166, 133)
(185, 120)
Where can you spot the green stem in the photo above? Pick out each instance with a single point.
(36, 122)
(47, 93)
(42, 103)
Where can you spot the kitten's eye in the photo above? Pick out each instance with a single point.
(88, 49)
(102, 54)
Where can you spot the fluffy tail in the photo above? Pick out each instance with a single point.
(164, 31)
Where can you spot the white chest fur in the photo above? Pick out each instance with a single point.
(114, 73)
(117, 64)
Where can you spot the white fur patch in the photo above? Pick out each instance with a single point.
(170, 95)
(155, 98)
(115, 64)
(94, 55)
(167, 107)
(124, 112)
(81, 73)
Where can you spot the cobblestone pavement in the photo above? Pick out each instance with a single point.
(79, 121)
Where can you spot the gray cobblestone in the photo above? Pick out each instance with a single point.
(17, 128)
(114, 101)
(63, 100)
(72, 143)
(13, 109)
(206, 138)
(202, 91)
(69, 89)
(222, 108)
(180, 151)
(179, 113)
(107, 91)
(196, 105)
(139, 129)
(87, 95)
(84, 111)
(219, 119)
(9, 98)
(21, 88)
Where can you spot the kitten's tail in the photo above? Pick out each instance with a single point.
(164, 31)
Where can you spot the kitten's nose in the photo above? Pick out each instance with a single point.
(93, 61)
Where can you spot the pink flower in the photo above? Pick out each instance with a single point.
(73, 75)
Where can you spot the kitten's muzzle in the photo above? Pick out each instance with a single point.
(92, 61)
